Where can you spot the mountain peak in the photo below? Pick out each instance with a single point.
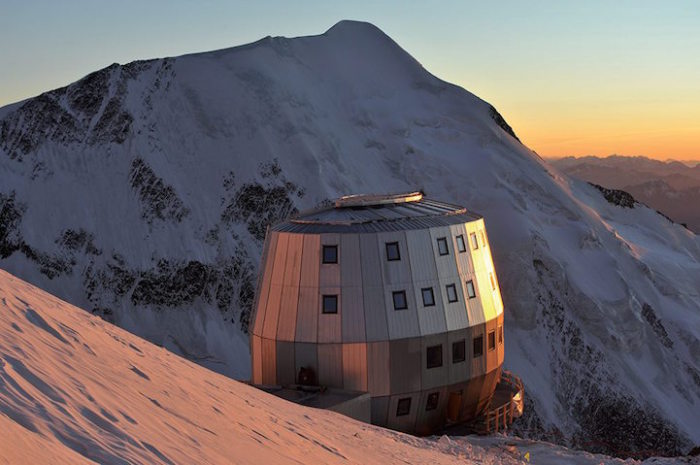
(350, 26)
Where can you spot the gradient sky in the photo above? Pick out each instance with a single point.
(572, 78)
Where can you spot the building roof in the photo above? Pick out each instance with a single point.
(369, 213)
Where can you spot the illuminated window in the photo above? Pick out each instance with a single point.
(471, 292)
(432, 403)
(492, 340)
(475, 241)
(478, 346)
(461, 246)
(428, 297)
(451, 293)
(392, 251)
(330, 304)
(459, 351)
(400, 302)
(435, 356)
(330, 254)
(442, 246)
(403, 407)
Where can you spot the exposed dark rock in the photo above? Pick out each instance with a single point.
(78, 241)
(158, 199)
(650, 316)
(496, 116)
(10, 218)
(616, 196)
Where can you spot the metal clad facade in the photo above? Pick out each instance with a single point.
(405, 356)
(431, 320)
(353, 316)
(269, 362)
(378, 375)
(355, 367)
(307, 310)
(437, 376)
(286, 324)
(265, 280)
(373, 289)
(330, 365)
(286, 373)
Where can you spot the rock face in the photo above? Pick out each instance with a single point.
(142, 192)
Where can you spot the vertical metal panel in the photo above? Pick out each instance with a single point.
(463, 259)
(353, 316)
(378, 368)
(274, 298)
(286, 325)
(355, 367)
(430, 421)
(269, 362)
(491, 355)
(265, 280)
(501, 347)
(373, 289)
(329, 324)
(478, 365)
(431, 320)
(445, 264)
(421, 255)
(256, 359)
(286, 368)
(455, 312)
(405, 355)
(459, 372)
(350, 262)
(330, 273)
(439, 376)
(396, 272)
(485, 294)
(401, 323)
(307, 310)
(380, 409)
(405, 423)
(305, 356)
(330, 365)
(475, 311)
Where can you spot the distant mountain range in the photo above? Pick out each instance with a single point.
(671, 187)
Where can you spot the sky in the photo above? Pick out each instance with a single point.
(571, 78)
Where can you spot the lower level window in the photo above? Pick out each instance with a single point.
(434, 356)
(432, 403)
(492, 340)
(478, 346)
(330, 304)
(403, 407)
(500, 334)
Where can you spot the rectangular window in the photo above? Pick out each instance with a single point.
(435, 356)
(459, 351)
(500, 335)
(400, 302)
(403, 407)
(471, 292)
(493, 282)
(432, 403)
(483, 238)
(428, 297)
(330, 254)
(492, 340)
(330, 304)
(478, 346)
(442, 246)
(461, 246)
(451, 293)
(392, 251)
(475, 241)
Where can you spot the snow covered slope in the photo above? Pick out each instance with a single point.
(142, 192)
(75, 389)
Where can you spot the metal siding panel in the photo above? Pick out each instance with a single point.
(269, 362)
(396, 272)
(478, 365)
(405, 355)
(431, 320)
(350, 262)
(405, 423)
(286, 369)
(380, 410)
(329, 324)
(264, 287)
(353, 315)
(462, 259)
(431, 421)
(439, 376)
(355, 367)
(330, 273)
(378, 368)
(256, 359)
(286, 325)
(305, 356)
(485, 294)
(307, 310)
(275, 296)
(373, 290)
(421, 255)
(401, 323)
(445, 264)
(455, 312)
(459, 372)
(330, 365)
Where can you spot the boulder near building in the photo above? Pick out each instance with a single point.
(395, 296)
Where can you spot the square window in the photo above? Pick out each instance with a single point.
(492, 340)
(392, 251)
(403, 407)
(500, 335)
(428, 297)
(459, 351)
(432, 403)
(493, 282)
(330, 254)
(330, 304)
(451, 293)
(478, 346)
(471, 292)
(475, 241)
(442, 246)
(400, 300)
(461, 246)
(434, 356)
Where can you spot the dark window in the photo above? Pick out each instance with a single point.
(470, 289)
(330, 304)
(428, 297)
(451, 293)
(458, 351)
(330, 254)
(461, 246)
(433, 399)
(475, 241)
(492, 340)
(403, 407)
(478, 346)
(392, 251)
(442, 246)
(500, 334)
(435, 356)
(400, 300)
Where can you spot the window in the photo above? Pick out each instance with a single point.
(478, 346)
(471, 292)
(451, 293)
(392, 251)
(442, 246)
(500, 335)
(475, 241)
(330, 254)
(483, 238)
(435, 356)
(459, 351)
(461, 246)
(432, 403)
(330, 304)
(400, 300)
(403, 407)
(493, 282)
(492, 340)
(428, 297)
